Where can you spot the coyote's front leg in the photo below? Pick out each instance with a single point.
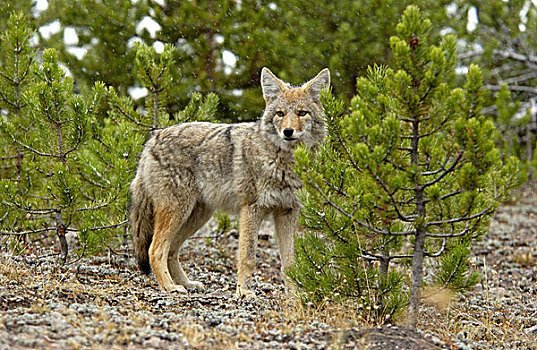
(285, 222)
(249, 221)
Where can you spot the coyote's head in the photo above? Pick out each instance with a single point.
(293, 114)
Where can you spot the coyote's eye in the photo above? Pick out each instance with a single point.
(302, 113)
(280, 114)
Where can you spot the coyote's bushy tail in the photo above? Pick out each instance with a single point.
(141, 220)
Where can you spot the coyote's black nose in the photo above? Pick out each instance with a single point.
(288, 132)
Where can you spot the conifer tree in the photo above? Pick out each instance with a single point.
(516, 136)
(502, 42)
(105, 32)
(154, 72)
(16, 58)
(412, 172)
(69, 168)
(295, 38)
(50, 137)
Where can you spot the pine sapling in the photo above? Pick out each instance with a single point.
(411, 173)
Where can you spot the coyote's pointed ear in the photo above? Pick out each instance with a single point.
(314, 86)
(272, 86)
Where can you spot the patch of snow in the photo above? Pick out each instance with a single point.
(461, 70)
(183, 45)
(237, 92)
(219, 38)
(40, 6)
(69, 36)
(79, 52)
(149, 24)
(473, 19)
(137, 92)
(451, 9)
(446, 31)
(34, 40)
(134, 39)
(50, 29)
(158, 46)
(66, 70)
(524, 16)
(230, 60)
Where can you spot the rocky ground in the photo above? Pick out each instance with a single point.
(103, 302)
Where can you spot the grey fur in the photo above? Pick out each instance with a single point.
(188, 171)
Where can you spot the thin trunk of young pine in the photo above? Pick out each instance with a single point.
(60, 232)
(383, 279)
(155, 109)
(60, 226)
(419, 244)
(417, 278)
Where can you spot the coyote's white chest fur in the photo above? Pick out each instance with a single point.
(188, 171)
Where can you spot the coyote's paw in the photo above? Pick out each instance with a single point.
(195, 285)
(243, 293)
(177, 289)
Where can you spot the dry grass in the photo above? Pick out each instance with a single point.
(490, 322)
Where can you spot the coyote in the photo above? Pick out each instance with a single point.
(189, 170)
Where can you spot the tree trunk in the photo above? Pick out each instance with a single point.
(417, 261)
(383, 278)
(60, 231)
(417, 278)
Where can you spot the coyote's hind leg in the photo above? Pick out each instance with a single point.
(168, 219)
(199, 216)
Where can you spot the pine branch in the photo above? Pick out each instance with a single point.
(308, 256)
(390, 194)
(529, 60)
(447, 171)
(439, 252)
(450, 235)
(127, 115)
(33, 150)
(100, 227)
(350, 216)
(6, 100)
(90, 181)
(14, 203)
(29, 232)
(344, 145)
(74, 148)
(442, 167)
(102, 205)
(464, 218)
(338, 190)
(8, 157)
(453, 273)
(8, 78)
(520, 88)
(519, 78)
(334, 232)
(446, 196)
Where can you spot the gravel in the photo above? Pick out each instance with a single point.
(104, 302)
